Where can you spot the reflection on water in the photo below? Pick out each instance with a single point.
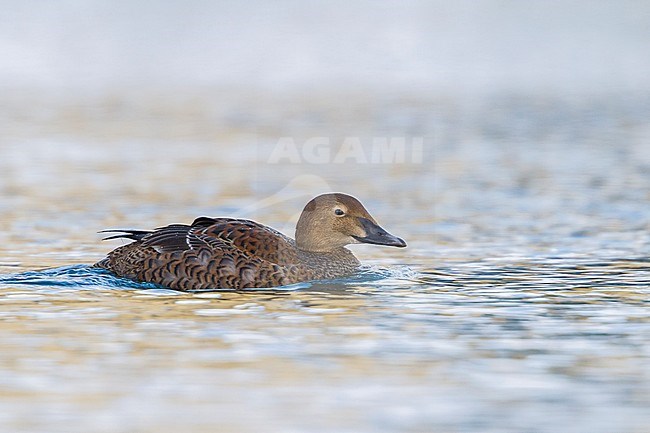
(467, 346)
(521, 303)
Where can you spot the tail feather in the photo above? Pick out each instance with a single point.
(135, 235)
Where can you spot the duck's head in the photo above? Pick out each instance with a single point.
(331, 221)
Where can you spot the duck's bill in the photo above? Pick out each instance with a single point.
(377, 236)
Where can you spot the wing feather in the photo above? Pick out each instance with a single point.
(251, 238)
(248, 237)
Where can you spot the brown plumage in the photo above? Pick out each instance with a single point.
(228, 253)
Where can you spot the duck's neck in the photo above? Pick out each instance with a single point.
(337, 253)
(331, 264)
(307, 241)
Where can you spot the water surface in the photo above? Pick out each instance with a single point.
(521, 304)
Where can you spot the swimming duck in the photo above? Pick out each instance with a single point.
(229, 253)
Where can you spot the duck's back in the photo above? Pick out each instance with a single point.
(210, 253)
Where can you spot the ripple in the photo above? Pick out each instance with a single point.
(75, 276)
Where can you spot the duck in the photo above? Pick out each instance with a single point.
(231, 253)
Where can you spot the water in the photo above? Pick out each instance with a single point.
(477, 346)
(521, 303)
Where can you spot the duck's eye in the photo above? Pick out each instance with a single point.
(339, 212)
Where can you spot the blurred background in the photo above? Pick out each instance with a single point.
(521, 145)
